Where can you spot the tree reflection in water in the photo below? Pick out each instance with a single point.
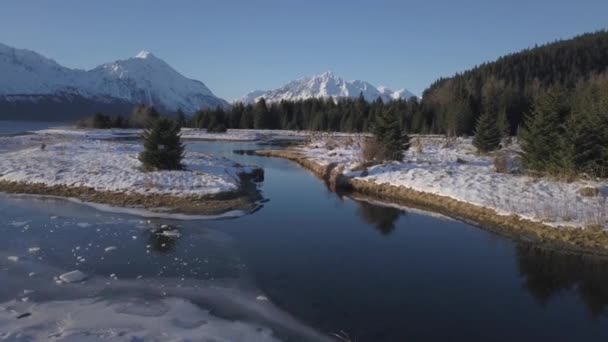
(382, 218)
(547, 273)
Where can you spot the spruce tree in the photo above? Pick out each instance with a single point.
(587, 128)
(487, 134)
(163, 149)
(180, 118)
(388, 133)
(260, 115)
(543, 140)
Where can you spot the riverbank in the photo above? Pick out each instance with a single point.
(339, 165)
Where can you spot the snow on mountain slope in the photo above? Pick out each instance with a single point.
(25, 72)
(148, 79)
(325, 85)
(141, 79)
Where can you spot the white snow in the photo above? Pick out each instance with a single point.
(142, 79)
(111, 166)
(324, 86)
(457, 171)
(169, 319)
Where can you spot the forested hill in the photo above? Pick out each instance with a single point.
(506, 87)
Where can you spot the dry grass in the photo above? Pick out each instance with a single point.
(372, 151)
(201, 205)
(418, 146)
(589, 191)
(501, 162)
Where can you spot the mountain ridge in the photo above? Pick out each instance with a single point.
(325, 85)
(143, 79)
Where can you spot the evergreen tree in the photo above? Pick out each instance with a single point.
(260, 115)
(543, 140)
(487, 135)
(180, 118)
(163, 149)
(587, 127)
(388, 133)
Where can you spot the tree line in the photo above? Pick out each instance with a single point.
(554, 97)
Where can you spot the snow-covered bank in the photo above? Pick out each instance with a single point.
(186, 133)
(90, 166)
(456, 171)
(110, 166)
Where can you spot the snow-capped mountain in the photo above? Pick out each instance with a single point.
(324, 86)
(142, 79)
(149, 80)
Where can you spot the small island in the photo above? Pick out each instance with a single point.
(90, 166)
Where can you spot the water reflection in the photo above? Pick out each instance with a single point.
(381, 217)
(548, 273)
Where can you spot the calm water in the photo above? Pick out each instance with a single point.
(334, 264)
(15, 127)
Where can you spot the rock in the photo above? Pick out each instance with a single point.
(73, 277)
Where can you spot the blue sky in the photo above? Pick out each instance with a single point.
(238, 46)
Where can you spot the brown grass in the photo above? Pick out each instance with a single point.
(201, 205)
(501, 162)
(589, 191)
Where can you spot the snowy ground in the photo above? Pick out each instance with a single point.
(456, 171)
(110, 166)
(186, 133)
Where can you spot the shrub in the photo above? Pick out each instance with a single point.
(589, 191)
(501, 163)
(163, 149)
(219, 128)
(144, 116)
(373, 151)
(418, 146)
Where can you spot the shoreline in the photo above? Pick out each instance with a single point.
(210, 205)
(565, 239)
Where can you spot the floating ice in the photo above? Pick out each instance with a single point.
(174, 233)
(73, 277)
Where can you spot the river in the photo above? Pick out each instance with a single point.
(307, 264)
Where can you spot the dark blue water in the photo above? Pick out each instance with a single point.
(336, 264)
(16, 127)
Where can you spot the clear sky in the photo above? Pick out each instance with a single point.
(238, 46)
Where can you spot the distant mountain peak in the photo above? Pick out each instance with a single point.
(142, 79)
(143, 54)
(325, 85)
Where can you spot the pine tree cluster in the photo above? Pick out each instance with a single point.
(567, 134)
